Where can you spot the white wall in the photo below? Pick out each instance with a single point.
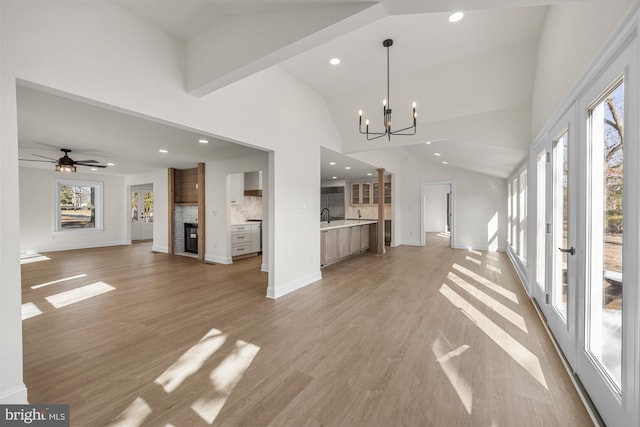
(435, 208)
(573, 33)
(37, 212)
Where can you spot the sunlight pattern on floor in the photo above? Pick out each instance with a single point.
(486, 282)
(191, 361)
(223, 379)
(79, 294)
(134, 415)
(30, 310)
(510, 345)
(42, 285)
(459, 384)
(490, 302)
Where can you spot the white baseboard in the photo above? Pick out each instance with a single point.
(293, 285)
(218, 259)
(15, 396)
(265, 268)
(394, 244)
(161, 249)
(520, 270)
(481, 248)
(410, 243)
(81, 246)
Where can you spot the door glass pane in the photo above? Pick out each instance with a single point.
(541, 220)
(560, 283)
(604, 308)
(134, 206)
(148, 207)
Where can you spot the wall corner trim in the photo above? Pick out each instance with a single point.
(278, 291)
(218, 259)
(14, 396)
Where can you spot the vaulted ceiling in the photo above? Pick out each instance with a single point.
(472, 80)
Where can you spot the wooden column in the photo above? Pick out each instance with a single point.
(201, 212)
(171, 187)
(380, 248)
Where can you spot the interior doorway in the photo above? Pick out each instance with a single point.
(141, 219)
(437, 213)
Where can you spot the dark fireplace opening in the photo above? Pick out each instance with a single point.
(191, 238)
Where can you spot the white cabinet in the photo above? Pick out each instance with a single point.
(255, 238)
(245, 239)
(236, 188)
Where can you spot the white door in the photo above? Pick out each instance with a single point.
(556, 196)
(141, 220)
(607, 342)
(588, 239)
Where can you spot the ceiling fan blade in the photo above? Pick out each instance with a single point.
(86, 161)
(91, 165)
(44, 157)
(43, 161)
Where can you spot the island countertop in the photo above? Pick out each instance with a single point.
(324, 226)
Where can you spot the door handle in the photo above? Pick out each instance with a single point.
(571, 250)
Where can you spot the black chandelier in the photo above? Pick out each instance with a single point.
(386, 112)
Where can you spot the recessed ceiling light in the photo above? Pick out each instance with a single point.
(437, 154)
(347, 167)
(332, 163)
(445, 162)
(369, 174)
(428, 142)
(456, 16)
(203, 141)
(334, 61)
(111, 164)
(334, 177)
(94, 169)
(163, 151)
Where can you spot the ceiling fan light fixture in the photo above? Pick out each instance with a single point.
(65, 168)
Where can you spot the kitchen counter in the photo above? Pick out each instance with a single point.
(342, 239)
(324, 226)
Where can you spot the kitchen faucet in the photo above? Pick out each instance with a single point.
(328, 214)
(359, 216)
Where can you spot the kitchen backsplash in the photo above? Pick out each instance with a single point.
(367, 212)
(251, 209)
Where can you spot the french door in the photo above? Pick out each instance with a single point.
(587, 235)
(555, 289)
(607, 357)
(141, 219)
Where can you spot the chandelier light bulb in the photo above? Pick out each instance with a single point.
(366, 122)
(414, 104)
(360, 113)
(384, 102)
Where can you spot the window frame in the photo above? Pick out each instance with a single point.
(99, 206)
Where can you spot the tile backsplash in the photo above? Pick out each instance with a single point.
(182, 216)
(367, 212)
(250, 209)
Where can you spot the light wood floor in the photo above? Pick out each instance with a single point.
(418, 337)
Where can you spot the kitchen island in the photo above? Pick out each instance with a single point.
(344, 238)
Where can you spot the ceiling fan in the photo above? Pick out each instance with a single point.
(66, 163)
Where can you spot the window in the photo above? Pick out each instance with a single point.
(522, 215)
(78, 205)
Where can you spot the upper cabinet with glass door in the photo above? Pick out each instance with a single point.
(360, 193)
(387, 193)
